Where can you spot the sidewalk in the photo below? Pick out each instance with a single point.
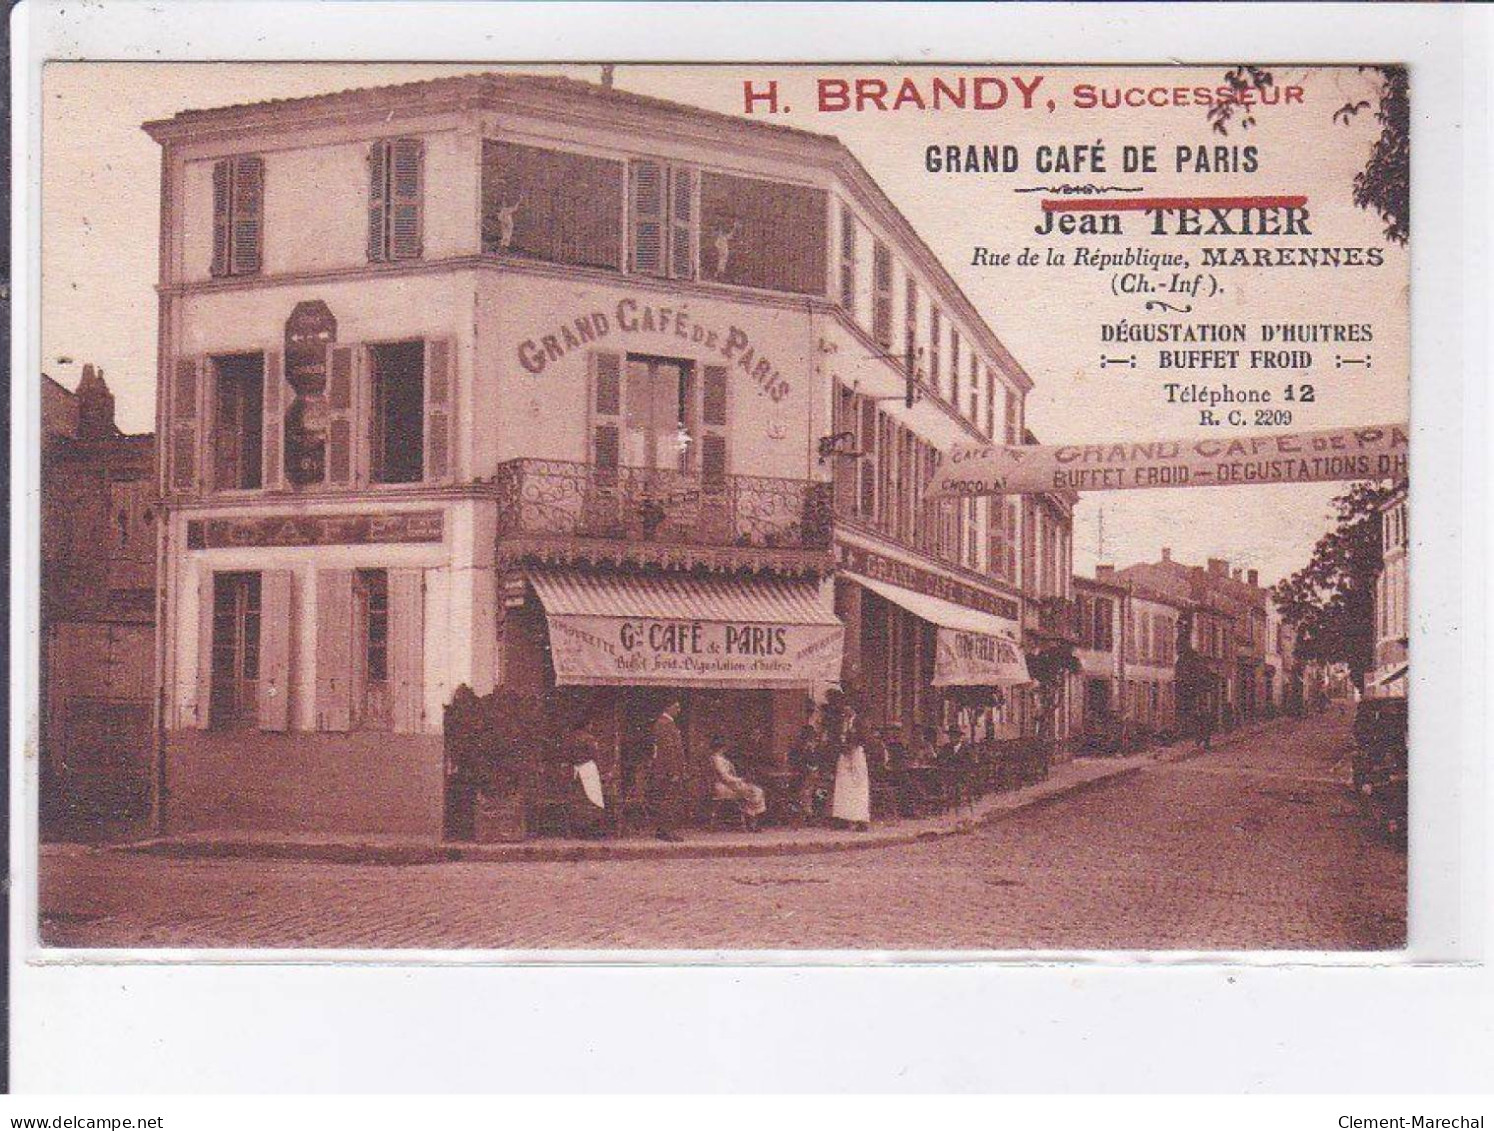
(1065, 779)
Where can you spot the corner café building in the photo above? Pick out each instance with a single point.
(517, 381)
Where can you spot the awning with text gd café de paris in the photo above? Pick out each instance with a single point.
(972, 649)
(625, 630)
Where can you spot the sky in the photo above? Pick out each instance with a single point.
(100, 224)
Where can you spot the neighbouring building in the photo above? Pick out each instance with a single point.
(520, 381)
(98, 595)
(1392, 601)
(1227, 619)
(1101, 653)
(1151, 652)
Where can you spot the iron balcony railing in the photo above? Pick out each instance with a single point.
(562, 499)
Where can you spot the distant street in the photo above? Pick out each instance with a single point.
(1258, 845)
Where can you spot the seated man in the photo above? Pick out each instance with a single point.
(728, 786)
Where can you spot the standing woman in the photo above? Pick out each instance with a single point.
(852, 802)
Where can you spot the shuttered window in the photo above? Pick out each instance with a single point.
(552, 205)
(954, 367)
(713, 421)
(406, 650)
(275, 649)
(606, 416)
(340, 453)
(910, 330)
(882, 294)
(440, 409)
(185, 408)
(238, 215)
(334, 649)
(936, 330)
(1013, 424)
(277, 396)
(975, 391)
(648, 195)
(848, 260)
(990, 404)
(764, 234)
(682, 226)
(396, 175)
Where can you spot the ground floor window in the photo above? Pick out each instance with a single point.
(235, 644)
(371, 652)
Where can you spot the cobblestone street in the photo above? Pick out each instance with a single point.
(1256, 845)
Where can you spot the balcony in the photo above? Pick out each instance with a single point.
(1056, 618)
(561, 511)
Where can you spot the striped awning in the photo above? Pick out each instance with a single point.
(972, 648)
(639, 629)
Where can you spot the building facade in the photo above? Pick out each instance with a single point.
(523, 382)
(1392, 601)
(98, 597)
(1101, 654)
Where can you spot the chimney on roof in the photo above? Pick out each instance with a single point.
(1238, 574)
(1167, 553)
(1219, 567)
(607, 69)
(1104, 573)
(95, 406)
(1254, 577)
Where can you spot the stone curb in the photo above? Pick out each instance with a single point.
(405, 854)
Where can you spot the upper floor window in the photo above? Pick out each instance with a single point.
(974, 391)
(238, 215)
(552, 205)
(1013, 419)
(663, 211)
(910, 330)
(882, 294)
(990, 404)
(935, 331)
(765, 234)
(848, 259)
(238, 421)
(395, 190)
(661, 414)
(954, 367)
(397, 380)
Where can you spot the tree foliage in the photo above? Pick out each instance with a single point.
(1384, 184)
(1330, 601)
(1048, 667)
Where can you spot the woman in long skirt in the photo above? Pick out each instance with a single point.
(852, 803)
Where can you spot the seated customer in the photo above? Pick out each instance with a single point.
(729, 786)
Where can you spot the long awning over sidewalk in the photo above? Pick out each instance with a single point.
(615, 630)
(974, 648)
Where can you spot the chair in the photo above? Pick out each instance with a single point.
(718, 805)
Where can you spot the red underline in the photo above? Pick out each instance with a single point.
(1171, 203)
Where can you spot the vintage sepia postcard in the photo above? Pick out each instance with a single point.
(751, 507)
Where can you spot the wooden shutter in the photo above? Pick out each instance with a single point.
(847, 260)
(606, 416)
(407, 649)
(378, 201)
(681, 223)
(222, 198)
(186, 401)
(440, 409)
(275, 649)
(199, 712)
(647, 184)
(334, 649)
(274, 422)
(340, 454)
(714, 397)
(990, 405)
(248, 215)
(407, 161)
(882, 295)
